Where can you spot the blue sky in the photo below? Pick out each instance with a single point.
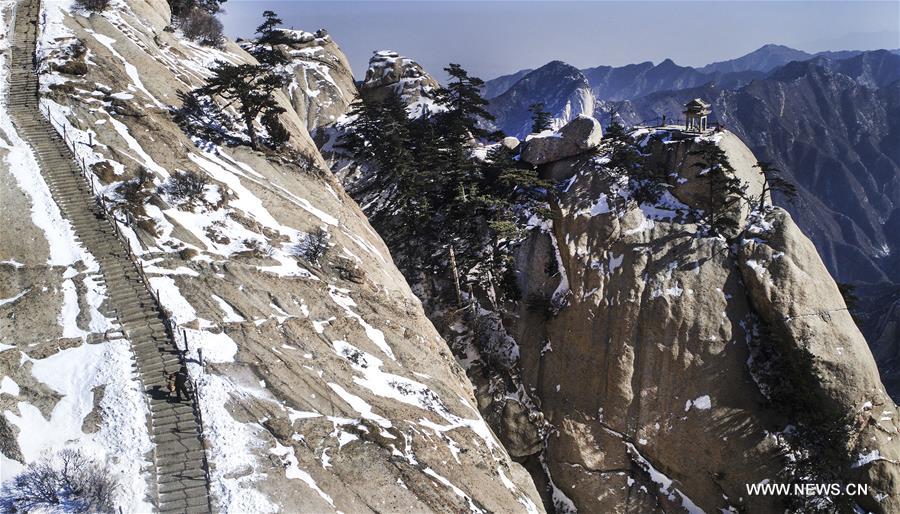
(491, 38)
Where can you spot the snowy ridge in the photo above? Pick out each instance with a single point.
(256, 320)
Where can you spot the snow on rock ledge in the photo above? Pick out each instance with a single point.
(578, 136)
(390, 73)
(281, 335)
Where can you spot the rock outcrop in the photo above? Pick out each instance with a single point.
(664, 370)
(644, 369)
(580, 135)
(390, 73)
(805, 118)
(322, 85)
(322, 384)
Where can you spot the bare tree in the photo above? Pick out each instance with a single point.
(66, 481)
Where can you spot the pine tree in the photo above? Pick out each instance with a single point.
(434, 195)
(724, 189)
(646, 179)
(180, 8)
(381, 134)
(540, 118)
(773, 182)
(249, 87)
(267, 29)
(464, 103)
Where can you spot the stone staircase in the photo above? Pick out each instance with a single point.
(180, 482)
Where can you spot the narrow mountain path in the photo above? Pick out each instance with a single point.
(180, 481)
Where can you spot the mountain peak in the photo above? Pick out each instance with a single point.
(391, 73)
(764, 58)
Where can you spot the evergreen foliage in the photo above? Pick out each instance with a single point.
(464, 103)
(724, 190)
(431, 194)
(249, 88)
(267, 29)
(773, 182)
(540, 118)
(647, 181)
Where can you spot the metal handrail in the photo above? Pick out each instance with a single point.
(112, 218)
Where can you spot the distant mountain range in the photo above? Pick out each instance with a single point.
(830, 120)
(512, 94)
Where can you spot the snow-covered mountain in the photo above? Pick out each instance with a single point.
(563, 89)
(825, 119)
(669, 369)
(829, 124)
(323, 386)
(648, 366)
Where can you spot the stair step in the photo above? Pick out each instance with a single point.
(176, 419)
(185, 484)
(186, 426)
(178, 447)
(180, 458)
(195, 504)
(194, 491)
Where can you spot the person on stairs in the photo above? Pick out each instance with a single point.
(179, 379)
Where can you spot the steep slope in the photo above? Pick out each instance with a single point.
(322, 85)
(321, 383)
(499, 85)
(562, 88)
(66, 369)
(650, 368)
(659, 364)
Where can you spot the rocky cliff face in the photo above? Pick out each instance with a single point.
(645, 366)
(323, 386)
(825, 120)
(322, 85)
(827, 124)
(649, 368)
(571, 96)
(390, 73)
(849, 121)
